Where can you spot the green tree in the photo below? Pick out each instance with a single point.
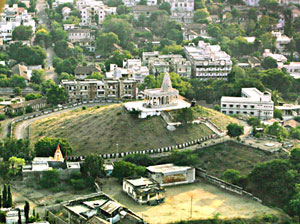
(46, 146)
(105, 43)
(139, 159)
(50, 178)
(184, 115)
(165, 6)
(56, 95)
(201, 16)
(122, 28)
(22, 33)
(4, 196)
(38, 76)
(96, 75)
(234, 130)
(273, 178)
(232, 176)
(277, 130)
(9, 197)
(278, 114)
(26, 210)
(269, 63)
(117, 58)
(43, 38)
(93, 166)
(32, 96)
(2, 214)
(16, 164)
(12, 147)
(254, 121)
(123, 169)
(18, 91)
(122, 10)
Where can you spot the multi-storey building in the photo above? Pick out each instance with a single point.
(12, 17)
(92, 89)
(294, 69)
(252, 103)
(182, 10)
(146, 10)
(208, 61)
(281, 43)
(132, 69)
(84, 37)
(168, 63)
(93, 12)
(279, 58)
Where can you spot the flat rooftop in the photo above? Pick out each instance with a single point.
(167, 168)
(142, 181)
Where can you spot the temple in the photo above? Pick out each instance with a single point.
(163, 97)
(157, 100)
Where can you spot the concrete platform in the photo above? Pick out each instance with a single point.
(144, 112)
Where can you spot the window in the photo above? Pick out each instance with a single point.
(230, 112)
(238, 106)
(252, 113)
(231, 105)
(245, 106)
(245, 112)
(224, 112)
(252, 106)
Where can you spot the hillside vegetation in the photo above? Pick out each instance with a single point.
(100, 129)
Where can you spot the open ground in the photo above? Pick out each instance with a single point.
(206, 200)
(98, 130)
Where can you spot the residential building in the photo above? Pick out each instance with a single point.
(281, 43)
(21, 106)
(12, 215)
(190, 29)
(169, 63)
(68, 26)
(252, 103)
(82, 72)
(92, 89)
(144, 190)
(99, 205)
(66, 12)
(12, 17)
(182, 11)
(146, 10)
(132, 69)
(289, 110)
(93, 12)
(280, 59)
(61, 2)
(294, 69)
(83, 37)
(252, 3)
(208, 61)
(169, 174)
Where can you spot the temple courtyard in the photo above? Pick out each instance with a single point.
(193, 201)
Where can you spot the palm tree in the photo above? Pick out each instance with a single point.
(276, 97)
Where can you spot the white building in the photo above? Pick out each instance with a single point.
(84, 37)
(158, 100)
(61, 2)
(11, 17)
(294, 69)
(289, 110)
(253, 3)
(281, 42)
(182, 10)
(167, 63)
(279, 58)
(208, 61)
(169, 174)
(132, 69)
(252, 103)
(90, 10)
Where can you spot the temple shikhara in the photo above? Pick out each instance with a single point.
(157, 100)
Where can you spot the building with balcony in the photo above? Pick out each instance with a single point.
(93, 12)
(92, 89)
(281, 43)
(182, 11)
(208, 61)
(168, 63)
(294, 69)
(83, 37)
(252, 102)
(144, 190)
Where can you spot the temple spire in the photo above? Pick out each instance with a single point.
(58, 155)
(166, 84)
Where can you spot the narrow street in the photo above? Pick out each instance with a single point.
(43, 19)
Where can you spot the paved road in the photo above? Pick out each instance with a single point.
(43, 19)
(20, 129)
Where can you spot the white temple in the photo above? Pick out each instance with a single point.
(157, 100)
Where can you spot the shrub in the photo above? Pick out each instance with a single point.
(2, 117)
(84, 108)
